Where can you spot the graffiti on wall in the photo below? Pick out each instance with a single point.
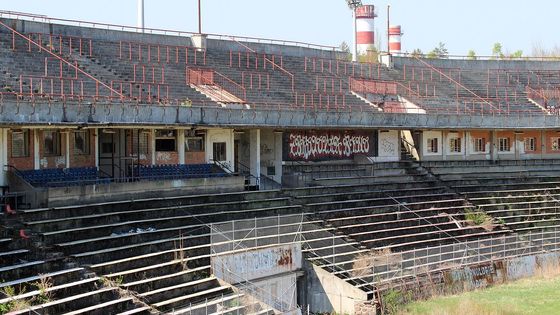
(326, 145)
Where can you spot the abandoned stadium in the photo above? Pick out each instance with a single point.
(174, 172)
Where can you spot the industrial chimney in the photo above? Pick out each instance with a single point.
(365, 28)
(395, 35)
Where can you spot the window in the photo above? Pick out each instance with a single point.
(433, 145)
(51, 143)
(479, 145)
(555, 141)
(455, 145)
(165, 140)
(20, 143)
(503, 145)
(194, 144)
(530, 144)
(219, 151)
(140, 142)
(81, 142)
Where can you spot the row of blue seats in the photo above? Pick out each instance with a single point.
(178, 171)
(58, 177)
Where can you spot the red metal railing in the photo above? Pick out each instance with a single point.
(320, 100)
(142, 91)
(255, 80)
(158, 53)
(98, 82)
(197, 76)
(107, 26)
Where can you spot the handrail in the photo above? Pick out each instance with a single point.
(480, 58)
(108, 26)
(231, 81)
(454, 81)
(61, 59)
(274, 64)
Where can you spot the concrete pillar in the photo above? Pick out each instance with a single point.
(153, 145)
(96, 146)
(36, 156)
(181, 145)
(493, 145)
(278, 157)
(199, 41)
(255, 153)
(444, 145)
(67, 148)
(3, 156)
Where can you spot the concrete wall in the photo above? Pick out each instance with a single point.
(220, 135)
(500, 271)
(480, 64)
(176, 39)
(271, 154)
(326, 293)
(100, 115)
(544, 147)
(146, 189)
(389, 146)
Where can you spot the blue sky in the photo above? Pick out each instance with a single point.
(461, 25)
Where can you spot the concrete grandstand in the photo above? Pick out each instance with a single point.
(174, 172)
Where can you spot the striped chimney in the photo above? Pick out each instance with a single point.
(395, 39)
(365, 29)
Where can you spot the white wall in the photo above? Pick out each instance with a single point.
(3, 156)
(271, 153)
(220, 135)
(429, 135)
(389, 147)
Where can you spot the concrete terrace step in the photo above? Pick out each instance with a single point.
(175, 302)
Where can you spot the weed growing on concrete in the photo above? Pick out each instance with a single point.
(13, 304)
(479, 218)
(44, 285)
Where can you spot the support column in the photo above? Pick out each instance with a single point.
(3, 156)
(255, 153)
(181, 145)
(67, 145)
(153, 145)
(36, 156)
(444, 145)
(96, 146)
(278, 157)
(493, 145)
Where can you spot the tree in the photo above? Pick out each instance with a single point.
(371, 55)
(439, 52)
(417, 53)
(497, 51)
(346, 50)
(471, 55)
(516, 54)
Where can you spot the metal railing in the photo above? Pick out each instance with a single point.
(117, 27)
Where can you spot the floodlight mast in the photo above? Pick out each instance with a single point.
(353, 4)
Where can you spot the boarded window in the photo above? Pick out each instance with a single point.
(81, 142)
(51, 143)
(20, 143)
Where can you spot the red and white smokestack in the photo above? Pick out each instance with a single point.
(365, 28)
(395, 35)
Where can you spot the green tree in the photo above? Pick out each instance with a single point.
(417, 53)
(516, 54)
(439, 52)
(497, 51)
(371, 55)
(471, 55)
(346, 50)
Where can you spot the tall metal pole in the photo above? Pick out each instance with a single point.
(199, 19)
(388, 27)
(140, 22)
